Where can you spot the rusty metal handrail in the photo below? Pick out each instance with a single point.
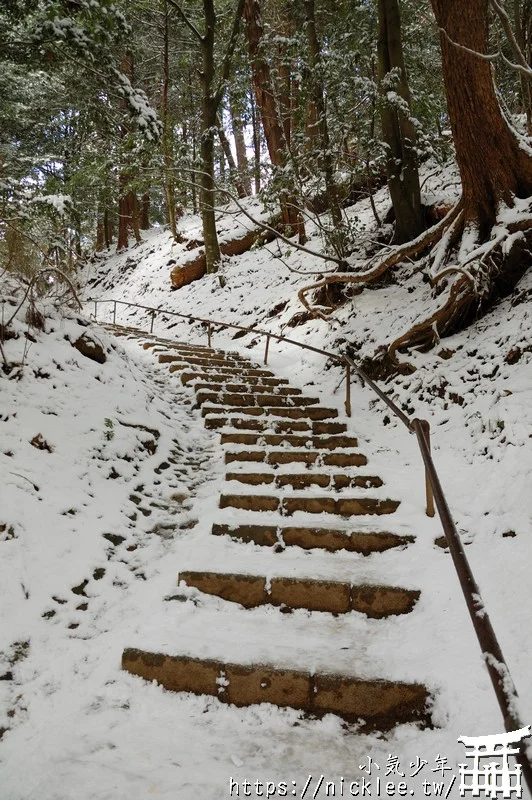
(496, 666)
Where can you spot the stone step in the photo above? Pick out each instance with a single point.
(305, 479)
(221, 371)
(204, 351)
(380, 704)
(205, 361)
(288, 505)
(316, 457)
(263, 400)
(207, 377)
(304, 412)
(275, 426)
(313, 595)
(309, 538)
(317, 442)
(247, 388)
(197, 348)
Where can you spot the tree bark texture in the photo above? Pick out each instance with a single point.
(398, 131)
(233, 172)
(209, 108)
(168, 133)
(318, 104)
(274, 124)
(493, 165)
(237, 127)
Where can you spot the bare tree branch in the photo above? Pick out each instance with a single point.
(190, 25)
(228, 58)
(266, 227)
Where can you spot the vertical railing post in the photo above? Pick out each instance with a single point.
(209, 334)
(152, 312)
(348, 389)
(114, 314)
(428, 486)
(267, 348)
(95, 309)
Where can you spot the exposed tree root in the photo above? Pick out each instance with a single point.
(489, 273)
(414, 248)
(481, 276)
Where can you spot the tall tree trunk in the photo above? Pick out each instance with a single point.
(255, 122)
(398, 131)
(241, 157)
(234, 177)
(318, 97)
(209, 108)
(144, 216)
(526, 95)
(494, 166)
(128, 217)
(275, 129)
(168, 133)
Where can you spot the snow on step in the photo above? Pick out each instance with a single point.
(303, 480)
(186, 648)
(240, 422)
(376, 704)
(302, 412)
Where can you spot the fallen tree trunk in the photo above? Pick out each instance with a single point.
(196, 268)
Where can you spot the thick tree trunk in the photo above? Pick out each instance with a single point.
(398, 131)
(494, 166)
(275, 128)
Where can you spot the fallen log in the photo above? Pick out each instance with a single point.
(195, 269)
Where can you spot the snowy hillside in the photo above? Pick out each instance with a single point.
(109, 486)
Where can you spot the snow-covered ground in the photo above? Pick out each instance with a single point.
(118, 493)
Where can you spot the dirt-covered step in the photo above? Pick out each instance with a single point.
(380, 704)
(205, 361)
(187, 348)
(317, 442)
(178, 347)
(267, 424)
(303, 480)
(221, 369)
(215, 379)
(315, 457)
(303, 412)
(247, 388)
(334, 597)
(263, 400)
(288, 505)
(329, 539)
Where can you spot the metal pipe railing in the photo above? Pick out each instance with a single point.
(498, 671)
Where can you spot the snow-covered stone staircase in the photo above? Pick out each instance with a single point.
(295, 479)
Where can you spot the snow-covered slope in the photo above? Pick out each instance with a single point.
(96, 521)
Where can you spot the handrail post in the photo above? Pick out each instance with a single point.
(267, 348)
(209, 333)
(428, 485)
(152, 312)
(95, 309)
(348, 388)
(114, 314)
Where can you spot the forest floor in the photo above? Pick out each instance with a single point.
(106, 468)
